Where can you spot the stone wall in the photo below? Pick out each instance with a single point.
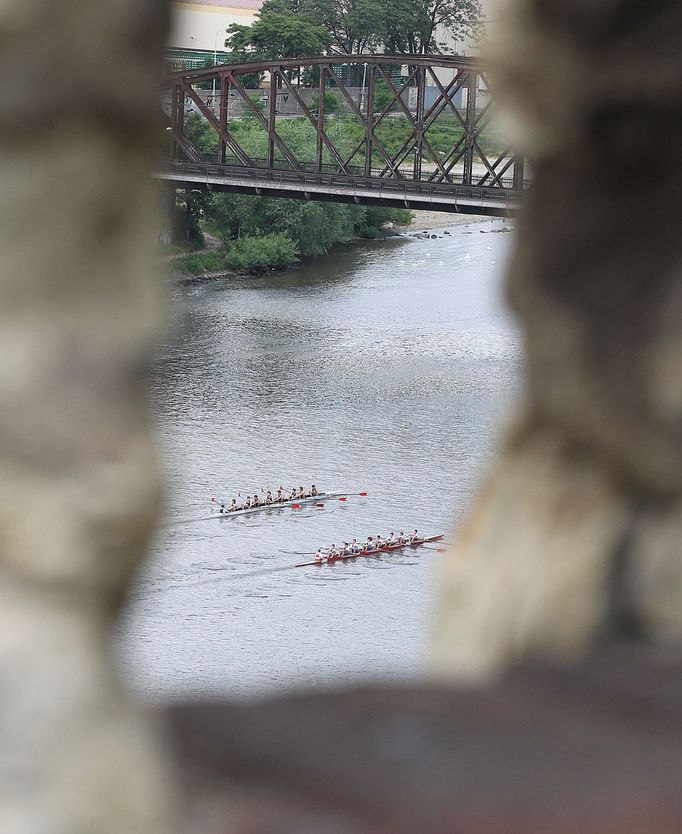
(575, 540)
(79, 311)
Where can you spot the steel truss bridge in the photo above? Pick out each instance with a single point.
(445, 158)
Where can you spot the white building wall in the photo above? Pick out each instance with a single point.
(202, 26)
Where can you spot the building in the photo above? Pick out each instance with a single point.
(198, 30)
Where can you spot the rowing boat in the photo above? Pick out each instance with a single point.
(387, 548)
(276, 505)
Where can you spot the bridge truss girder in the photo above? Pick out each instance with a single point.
(415, 163)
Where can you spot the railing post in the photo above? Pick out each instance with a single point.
(472, 90)
(320, 119)
(369, 122)
(272, 117)
(419, 122)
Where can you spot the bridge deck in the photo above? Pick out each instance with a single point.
(447, 197)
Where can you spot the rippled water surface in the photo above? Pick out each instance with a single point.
(384, 367)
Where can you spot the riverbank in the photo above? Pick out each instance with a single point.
(206, 264)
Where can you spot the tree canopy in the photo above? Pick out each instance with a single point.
(279, 35)
(300, 28)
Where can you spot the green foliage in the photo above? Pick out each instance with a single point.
(201, 263)
(356, 26)
(344, 130)
(332, 104)
(279, 35)
(382, 96)
(412, 26)
(189, 210)
(376, 217)
(201, 134)
(262, 253)
(313, 227)
(249, 254)
(263, 234)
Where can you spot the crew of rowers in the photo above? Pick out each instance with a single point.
(373, 544)
(280, 496)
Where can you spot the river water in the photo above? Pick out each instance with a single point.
(386, 367)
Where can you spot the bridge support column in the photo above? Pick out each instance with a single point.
(272, 117)
(320, 119)
(177, 120)
(369, 124)
(224, 113)
(472, 90)
(419, 122)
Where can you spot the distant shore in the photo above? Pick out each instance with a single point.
(425, 220)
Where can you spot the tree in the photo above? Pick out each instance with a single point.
(355, 26)
(352, 26)
(416, 27)
(279, 35)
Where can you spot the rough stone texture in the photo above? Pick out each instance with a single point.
(597, 750)
(78, 481)
(577, 526)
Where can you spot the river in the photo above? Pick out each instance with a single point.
(387, 367)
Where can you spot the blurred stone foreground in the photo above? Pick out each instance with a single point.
(561, 602)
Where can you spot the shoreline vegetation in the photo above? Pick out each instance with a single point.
(274, 252)
(224, 234)
(252, 235)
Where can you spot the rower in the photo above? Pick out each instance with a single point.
(354, 547)
(280, 494)
(233, 506)
(293, 495)
(313, 491)
(401, 537)
(414, 535)
(318, 555)
(247, 503)
(369, 547)
(346, 549)
(332, 553)
(222, 509)
(379, 542)
(391, 539)
(255, 501)
(268, 497)
(301, 492)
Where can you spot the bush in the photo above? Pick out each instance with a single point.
(249, 254)
(375, 218)
(259, 254)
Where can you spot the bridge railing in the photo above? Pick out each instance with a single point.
(233, 166)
